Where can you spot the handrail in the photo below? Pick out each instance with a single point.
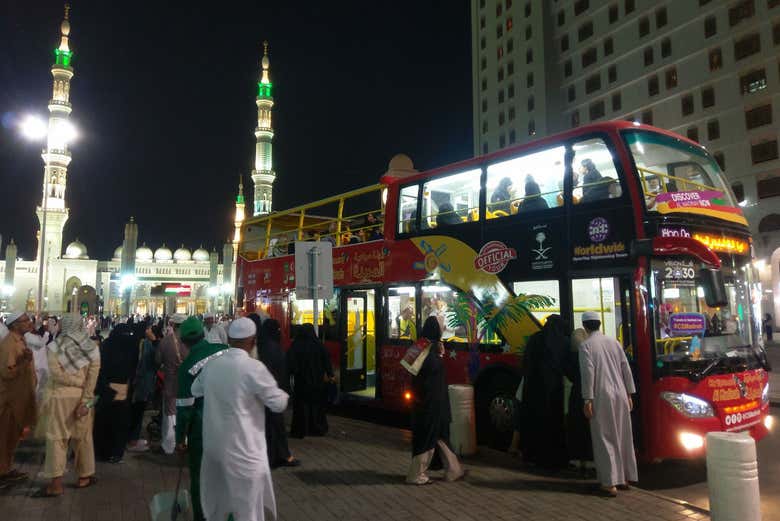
(667, 176)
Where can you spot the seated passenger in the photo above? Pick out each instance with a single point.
(447, 216)
(595, 187)
(373, 227)
(410, 223)
(501, 200)
(533, 198)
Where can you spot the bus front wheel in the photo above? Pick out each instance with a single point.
(494, 397)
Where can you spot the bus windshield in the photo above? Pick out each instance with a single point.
(690, 335)
(675, 175)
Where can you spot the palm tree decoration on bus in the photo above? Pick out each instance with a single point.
(483, 321)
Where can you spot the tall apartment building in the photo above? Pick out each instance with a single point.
(707, 69)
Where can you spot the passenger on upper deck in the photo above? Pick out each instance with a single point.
(447, 215)
(501, 200)
(533, 198)
(595, 187)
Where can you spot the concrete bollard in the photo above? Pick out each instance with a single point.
(732, 477)
(463, 428)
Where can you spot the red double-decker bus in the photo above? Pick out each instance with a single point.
(630, 221)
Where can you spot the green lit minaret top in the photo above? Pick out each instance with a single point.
(264, 85)
(240, 197)
(63, 54)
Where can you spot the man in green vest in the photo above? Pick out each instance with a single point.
(189, 411)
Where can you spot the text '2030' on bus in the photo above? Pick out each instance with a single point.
(632, 222)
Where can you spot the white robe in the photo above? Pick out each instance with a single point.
(235, 476)
(216, 335)
(607, 380)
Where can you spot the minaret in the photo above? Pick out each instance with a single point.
(52, 213)
(239, 214)
(263, 175)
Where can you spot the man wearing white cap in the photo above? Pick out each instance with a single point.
(170, 354)
(607, 386)
(215, 334)
(17, 393)
(235, 475)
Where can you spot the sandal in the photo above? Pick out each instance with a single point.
(44, 492)
(13, 475)
(90, 480)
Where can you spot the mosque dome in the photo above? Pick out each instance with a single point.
(144, 254)
(117, 253)
(200, 255)
(76, 250)
(163, 254)
(182, 255)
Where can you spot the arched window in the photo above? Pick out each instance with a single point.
(770, 223)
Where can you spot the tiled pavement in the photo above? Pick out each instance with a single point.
(354, 473)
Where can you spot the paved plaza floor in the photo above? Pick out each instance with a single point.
(354, 473)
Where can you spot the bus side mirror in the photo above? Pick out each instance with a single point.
(714, 287)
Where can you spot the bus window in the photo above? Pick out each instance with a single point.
(302, 312)
(456, 314)
(599, 295)
(548, 288)
(401, 313)
(594, 175)
(524, 184)
(407, 209)
(451, 200)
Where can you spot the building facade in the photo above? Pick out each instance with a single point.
(707, 69)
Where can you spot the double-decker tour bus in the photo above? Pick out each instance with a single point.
(630, 221)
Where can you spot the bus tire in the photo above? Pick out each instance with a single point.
(494, 395)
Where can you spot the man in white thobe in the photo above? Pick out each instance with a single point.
(235, 477)
(214, 333)
(607, 386)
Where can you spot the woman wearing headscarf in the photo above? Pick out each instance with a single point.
(143, 385)
(542, 422)
(533, 197)
(308, 363)
(578, 440)
(501, 199)
(74, 364)
(431, 412)
(119, 357)
(270, 353)
(595, 186)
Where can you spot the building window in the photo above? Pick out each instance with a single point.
(660, 18)
(762, 152)
(580, 6)
(617, 103)
(753, 81)
(499, 9)
(630, 5)
(613, 13)
(500, 52)
(575, 118)
(648, 56)
(501, 96)
(710, 26)
(567, 68)
(529, 56)
(510, 68)
(499, 31)
(652, 86)
(666, 48)
(768, 187)
(747, 46)
(589, 57)
(593, 83)
(713, 130)
(512, 137)
(561, 18)
(565, 43)
(776, 34)
(687, 104)
(704, 2)
(482, 23)
(482, 43)
(483, 65)
(510, 91)
(572, 93)
(500, 74)
(481, 4)
(596, 110)
(644, 27)
(527, 10)
(511, 114)
(612, 73)
(531, 128)
(501, 118)
(484, 127)
(529, 80)
(530, 103)
(508, 4)
(647, 117)
(772, 3)
(609, 46)
(692, 133)
(739, 191)
(484, 148)
(758, 116)
(509, 23)
(501, 141)
(741, 11)
(510, 45)
(484, 105)
(528, 32)
(707, 97)
(585, 31)
(671, 78)
(716, 59)
(720, 159)
(484, 83)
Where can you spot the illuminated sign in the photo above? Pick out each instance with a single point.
(722, 243)
(177, 289)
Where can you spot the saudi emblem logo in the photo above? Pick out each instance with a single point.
(494, 256)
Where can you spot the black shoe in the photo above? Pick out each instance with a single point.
(291, 463)
(116, 460)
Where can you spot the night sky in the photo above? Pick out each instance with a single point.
(163, 97)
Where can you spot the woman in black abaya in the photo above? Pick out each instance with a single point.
(308, 363)
(431, 413)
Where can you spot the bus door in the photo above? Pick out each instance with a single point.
(610, 297)
(358, 342)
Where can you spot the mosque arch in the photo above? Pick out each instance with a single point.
(71, 288)
(86, 300)
(770, 223)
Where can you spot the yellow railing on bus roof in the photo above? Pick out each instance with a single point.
(323, 222)
(664, 186)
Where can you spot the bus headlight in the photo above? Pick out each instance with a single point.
(769, 422)
(765, 394)
(689, 405)
(691, 441)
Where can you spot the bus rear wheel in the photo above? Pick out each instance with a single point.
(495, 407)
